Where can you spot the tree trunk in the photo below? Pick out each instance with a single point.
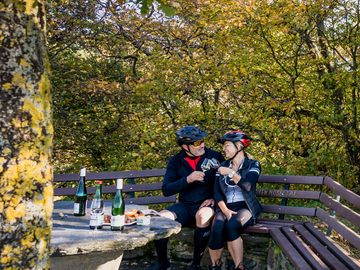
(26, 137)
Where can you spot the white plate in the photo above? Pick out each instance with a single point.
(130, 223)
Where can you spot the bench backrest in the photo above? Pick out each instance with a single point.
(283, 193)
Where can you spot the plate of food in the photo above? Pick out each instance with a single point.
(131, 216)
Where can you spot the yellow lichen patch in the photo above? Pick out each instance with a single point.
(29, 8)
(6, 254)
(1, 206)
(6, 151)
(36, 115)
(30, 171)
(48, 200)
(10, 214)
(24, 63)
(44, 85)
(7, 86)
(18, 80)
(26, 153)
(27, 241)
(2, 161)
(15, 200)
(10, 177)
(7, 197)
(42, 247)
(20, 210)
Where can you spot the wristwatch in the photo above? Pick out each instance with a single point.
(231, 175)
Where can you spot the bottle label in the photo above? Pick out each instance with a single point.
(119, 183)
(76, 208)
(96, 219)
(117, 221)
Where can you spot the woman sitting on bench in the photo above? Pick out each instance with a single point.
(235, 195)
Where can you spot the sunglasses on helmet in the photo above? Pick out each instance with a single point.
(197, 143)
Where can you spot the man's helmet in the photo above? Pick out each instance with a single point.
(189, 134)
(236, 136)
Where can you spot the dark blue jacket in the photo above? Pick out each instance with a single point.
(249, 172)
(175, 178)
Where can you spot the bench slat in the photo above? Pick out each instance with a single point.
(280, 193)
(324, 254)
(110, 189)
(291, 179)
(290, 251)
(345, 232)
(264, 226)
(346, 194)
(341, 209)
(67, 177)
(304, 250)
(290, 210)
(352, 264)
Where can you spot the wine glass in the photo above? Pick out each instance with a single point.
(205, 166)
(214, 163)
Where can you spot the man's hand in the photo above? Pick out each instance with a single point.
(208, 202)
(195, 176)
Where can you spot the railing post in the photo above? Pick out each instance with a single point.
(284, 200)
(332, 214)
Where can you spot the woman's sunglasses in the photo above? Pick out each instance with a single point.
(197, 143)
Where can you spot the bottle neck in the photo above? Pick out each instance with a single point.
(98, 191)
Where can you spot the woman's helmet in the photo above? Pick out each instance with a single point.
(189, 134)
(236, 136)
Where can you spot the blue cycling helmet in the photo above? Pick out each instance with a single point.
(189, 134)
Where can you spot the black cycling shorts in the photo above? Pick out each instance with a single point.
(185, 213)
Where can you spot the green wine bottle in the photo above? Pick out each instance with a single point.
(118, 208)
(80, 200)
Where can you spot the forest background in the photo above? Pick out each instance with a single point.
(125, 77)
(127, 74)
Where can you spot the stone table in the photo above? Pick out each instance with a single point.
(75, 246)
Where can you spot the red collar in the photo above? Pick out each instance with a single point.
(192, 162)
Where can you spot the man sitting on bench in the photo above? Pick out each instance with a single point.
(185, 175)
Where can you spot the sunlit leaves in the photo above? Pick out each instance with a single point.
(255, 65)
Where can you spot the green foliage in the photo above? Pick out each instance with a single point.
(285, 72)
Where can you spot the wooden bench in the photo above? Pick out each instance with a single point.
(305, 245)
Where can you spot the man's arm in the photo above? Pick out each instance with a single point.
(172, 185)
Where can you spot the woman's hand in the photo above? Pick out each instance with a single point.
(229, 213)
(224, 170)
